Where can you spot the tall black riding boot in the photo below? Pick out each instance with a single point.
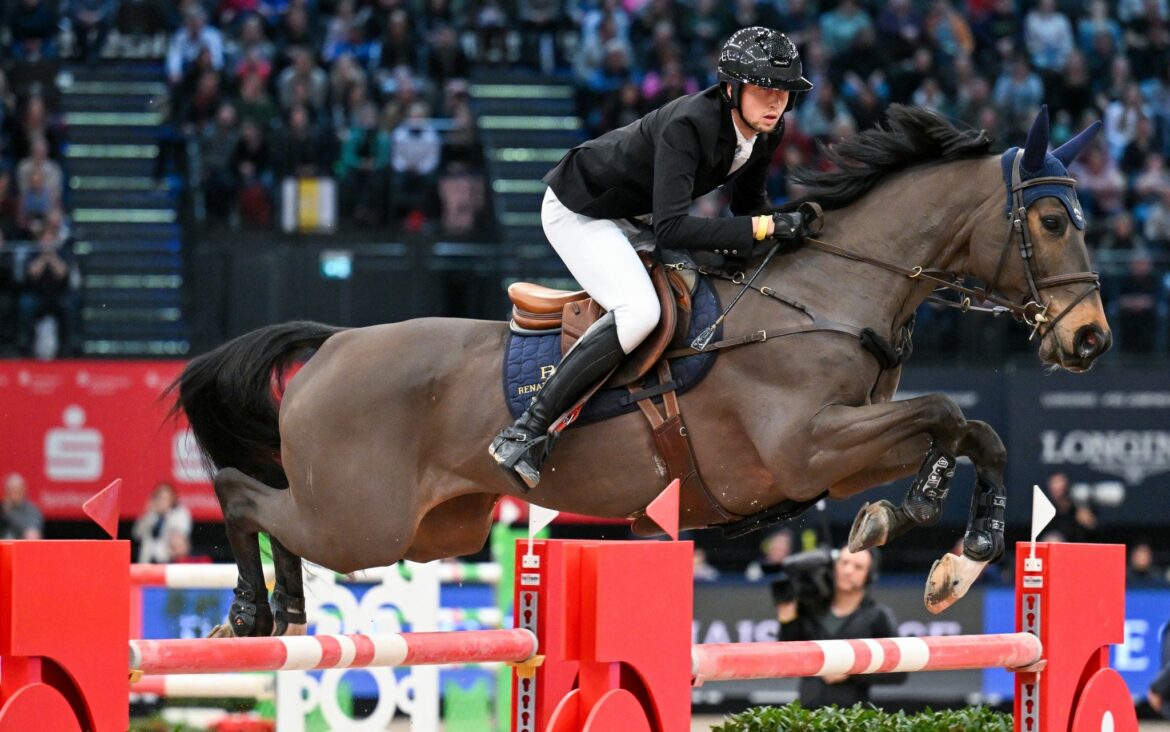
(525, 444)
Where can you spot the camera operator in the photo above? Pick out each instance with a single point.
(823, 595)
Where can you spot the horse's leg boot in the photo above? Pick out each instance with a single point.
(249, 615)
(983, 541)
(923, 502)
(879, 523)
(523, 446)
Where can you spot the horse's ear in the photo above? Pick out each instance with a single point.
(1037, 145)
(1069, 151)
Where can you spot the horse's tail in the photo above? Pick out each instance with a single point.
(230, 397)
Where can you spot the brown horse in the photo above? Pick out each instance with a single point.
(378, 449)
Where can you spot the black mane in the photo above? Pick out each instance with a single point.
(910, 136)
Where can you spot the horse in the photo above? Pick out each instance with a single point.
(376, 450)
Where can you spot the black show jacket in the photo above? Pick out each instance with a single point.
(660, 163)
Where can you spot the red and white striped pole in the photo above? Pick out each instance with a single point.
(205, 686)
(225, 576)
(303, 653)
(790, 659)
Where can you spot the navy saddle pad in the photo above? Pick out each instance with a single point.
(528, 359)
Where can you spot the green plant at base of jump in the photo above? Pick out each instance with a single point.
(864, 718)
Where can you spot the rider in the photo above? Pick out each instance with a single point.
(650, 171)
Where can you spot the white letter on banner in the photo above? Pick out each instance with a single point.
(1131, 654)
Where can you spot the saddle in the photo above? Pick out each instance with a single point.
(538, 308)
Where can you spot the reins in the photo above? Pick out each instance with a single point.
(1033, 312)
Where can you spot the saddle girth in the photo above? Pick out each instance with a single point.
(673, 443)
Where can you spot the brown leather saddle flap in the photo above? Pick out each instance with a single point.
(536, 307)
(674, 299)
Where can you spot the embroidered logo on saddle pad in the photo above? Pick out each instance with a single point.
(530, 359)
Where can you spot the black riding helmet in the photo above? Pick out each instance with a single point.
(763, 57)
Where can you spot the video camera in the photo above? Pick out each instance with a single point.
(806, 577)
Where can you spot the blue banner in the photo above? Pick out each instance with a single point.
(1137, 659)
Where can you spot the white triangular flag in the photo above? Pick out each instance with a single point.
(538, 518)
(1042, 511)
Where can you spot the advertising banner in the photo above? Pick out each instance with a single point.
(72, 427)
(1109, 431)
(1138, 658)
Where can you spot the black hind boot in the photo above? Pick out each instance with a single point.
(524, 445)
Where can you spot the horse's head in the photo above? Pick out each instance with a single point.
(1044, 264)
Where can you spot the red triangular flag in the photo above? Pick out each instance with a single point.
(103, 508)
(663, 510)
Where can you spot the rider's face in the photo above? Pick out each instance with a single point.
(761, 108)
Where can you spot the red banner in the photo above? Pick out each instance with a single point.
(71, 427)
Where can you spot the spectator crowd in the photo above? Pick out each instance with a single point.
(373, 96)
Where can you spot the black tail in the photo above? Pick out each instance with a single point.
(229, 397)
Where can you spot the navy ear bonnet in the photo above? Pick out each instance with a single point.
(1051, 167)
(1037, 162)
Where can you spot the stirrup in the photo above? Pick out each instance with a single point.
(520, 454)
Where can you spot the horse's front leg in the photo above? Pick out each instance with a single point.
(951, 576)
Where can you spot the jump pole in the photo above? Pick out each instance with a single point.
(313, 652)
(616, 617)
(225, 576)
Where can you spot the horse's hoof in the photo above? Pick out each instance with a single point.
(871, 527)
(223, 630)
(949, 580)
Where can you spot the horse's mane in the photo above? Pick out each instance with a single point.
(910, 136)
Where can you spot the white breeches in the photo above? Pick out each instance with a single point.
(600, 257)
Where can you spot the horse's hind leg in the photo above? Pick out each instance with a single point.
(243, 500)
(288, 596)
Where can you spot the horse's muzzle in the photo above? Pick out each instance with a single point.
(1088, 342)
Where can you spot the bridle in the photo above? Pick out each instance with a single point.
(1034, 310)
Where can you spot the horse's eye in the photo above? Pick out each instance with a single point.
(1053, 223)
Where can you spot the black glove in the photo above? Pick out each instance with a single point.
(788, 225)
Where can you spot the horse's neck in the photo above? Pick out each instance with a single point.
(911, 221)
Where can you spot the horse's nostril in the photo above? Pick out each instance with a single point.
(1090, 342)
